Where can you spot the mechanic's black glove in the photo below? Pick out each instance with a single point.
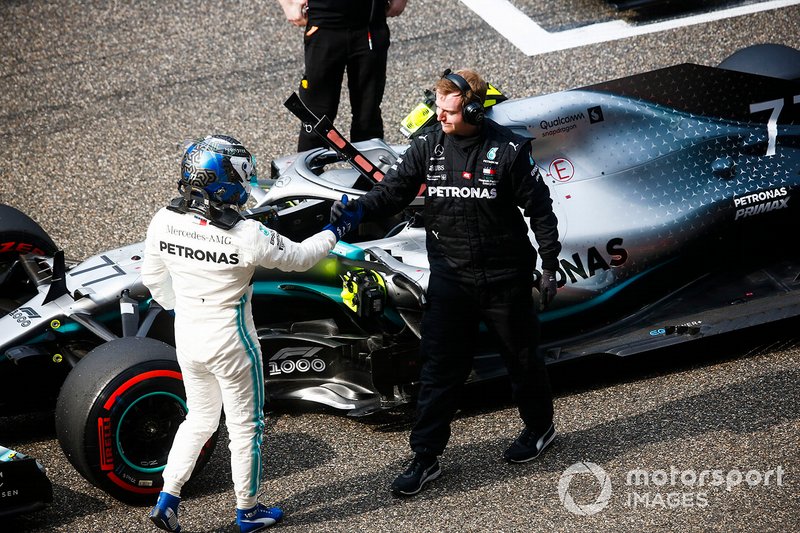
(345, 216)
(345, 205)
(547, 288)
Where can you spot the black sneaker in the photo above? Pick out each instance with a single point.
(420, 471)
(529, 445)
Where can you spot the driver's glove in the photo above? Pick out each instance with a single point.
(547, 288)
(345, 216)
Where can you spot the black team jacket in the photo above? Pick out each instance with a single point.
(474, 187)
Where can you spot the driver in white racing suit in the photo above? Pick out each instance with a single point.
(200, 255)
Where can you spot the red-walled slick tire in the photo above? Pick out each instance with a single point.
(117, 415)
(19, 234)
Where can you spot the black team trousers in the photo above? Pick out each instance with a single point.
(328, 54)
(449, 339)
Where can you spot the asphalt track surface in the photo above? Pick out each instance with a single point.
(95, 96)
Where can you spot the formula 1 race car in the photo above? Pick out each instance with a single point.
(674, 193)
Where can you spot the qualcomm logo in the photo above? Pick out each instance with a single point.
(603, 497)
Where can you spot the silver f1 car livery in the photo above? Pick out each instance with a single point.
(675, 192)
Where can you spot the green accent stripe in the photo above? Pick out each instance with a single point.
(120, 449)
(577, 308)
(256, 373)
(273, 288)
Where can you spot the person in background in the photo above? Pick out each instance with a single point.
(344, 35)
(478, 175)
(200, 255)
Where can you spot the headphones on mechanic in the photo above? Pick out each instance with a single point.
(472, 111)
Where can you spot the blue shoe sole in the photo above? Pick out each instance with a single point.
(161, 523)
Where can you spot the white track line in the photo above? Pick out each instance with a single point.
(532, 39)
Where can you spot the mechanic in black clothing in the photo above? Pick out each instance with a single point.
(477, 176)
(341, 35)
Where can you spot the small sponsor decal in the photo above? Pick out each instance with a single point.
(23, 316)
(30, 312)
(104, 442)
(306, 361)
(462, 192)
(491, 154)
(21, 247)
(199, 236)
(561, 169)
(759, 202)
(689, 328)
(198, 254)
(595, 114)
(561, 121)
(468, 175)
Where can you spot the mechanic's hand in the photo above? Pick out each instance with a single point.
(295, 11)
(347, 208)
(345, 216)
(395, 7)
(547, 288)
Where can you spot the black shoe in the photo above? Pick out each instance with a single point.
(420, 471)
(529, 445)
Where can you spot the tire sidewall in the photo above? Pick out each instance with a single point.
(20, 234)
(108, 451)
(107, 389)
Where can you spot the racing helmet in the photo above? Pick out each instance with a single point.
(221, 166)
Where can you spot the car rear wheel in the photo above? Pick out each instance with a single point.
(774, 60)
(117, 415)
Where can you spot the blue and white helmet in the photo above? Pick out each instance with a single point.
(221, 166)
